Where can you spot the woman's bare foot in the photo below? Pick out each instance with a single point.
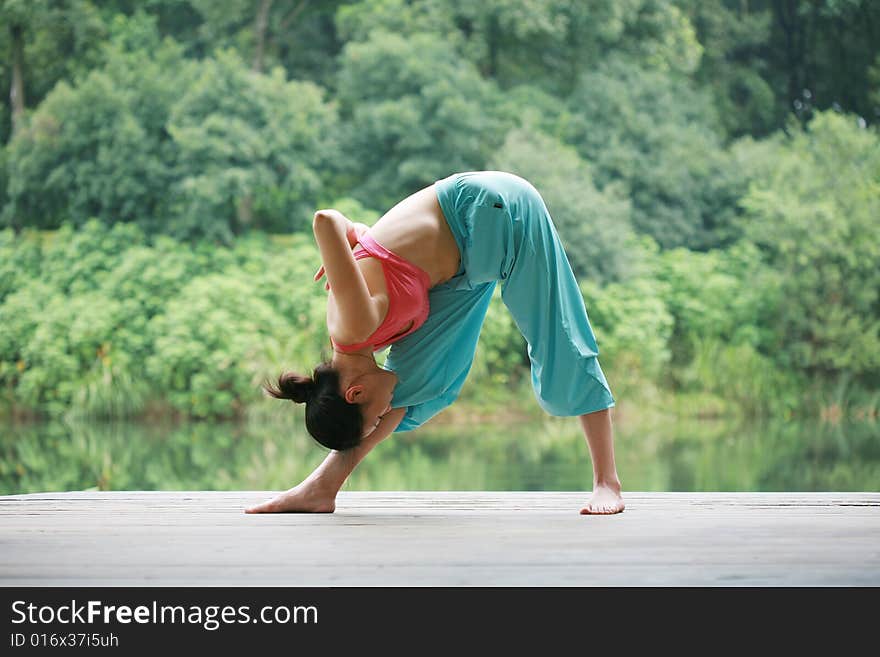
(605, 500)
(300, 499)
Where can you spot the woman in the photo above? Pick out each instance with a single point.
(421, 280)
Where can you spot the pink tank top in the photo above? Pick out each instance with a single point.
(408, 287)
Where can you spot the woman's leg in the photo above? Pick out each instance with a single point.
(606, 496)
(542, 294)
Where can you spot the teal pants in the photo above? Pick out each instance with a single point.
(504, 233)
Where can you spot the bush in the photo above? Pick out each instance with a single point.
(101, 323)
(633, 326)
(722, 295)
(812, 210)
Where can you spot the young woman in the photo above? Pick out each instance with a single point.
(421, 280)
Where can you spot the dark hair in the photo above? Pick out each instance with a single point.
(331, 420)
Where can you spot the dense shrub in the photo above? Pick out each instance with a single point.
(106, 323)
(813, 211)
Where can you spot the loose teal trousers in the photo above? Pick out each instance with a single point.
(505, 234)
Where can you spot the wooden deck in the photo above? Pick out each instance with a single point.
(446, 539)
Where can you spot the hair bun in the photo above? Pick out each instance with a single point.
(294, 387)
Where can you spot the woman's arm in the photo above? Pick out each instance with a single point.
(336, 468)
(353, 234)
(317, 493)
(357, 310)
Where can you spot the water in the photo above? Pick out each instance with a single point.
(544, 454)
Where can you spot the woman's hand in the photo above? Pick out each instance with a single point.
(317, 494)
(319, 274)
(354, 232)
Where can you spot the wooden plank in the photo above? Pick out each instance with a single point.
(440, 538)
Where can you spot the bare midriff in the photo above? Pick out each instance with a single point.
(416, 230)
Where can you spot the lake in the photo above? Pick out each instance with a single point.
(539, 454)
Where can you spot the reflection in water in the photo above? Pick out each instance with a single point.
(548, 454)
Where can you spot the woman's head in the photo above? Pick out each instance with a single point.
(343, 404)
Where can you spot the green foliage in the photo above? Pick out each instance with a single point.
(656, 134)
(734, 42)
(725, 295)
(99, 148)
(4, 185)
(249, 150)
(812, 210)
(737, 274)
(67, 337)
(192, 149)
(632, 327)
(206, 340)
(19, 260)
(60, 40)
(764, 60)
(548, 43)
(833, 72)
(874, 82)
(104, 324)
(747, 381)
(76, 261)
(357, 21)
(77, 341)
(501, 359)
(296, 35)
(354, 210)
(413, 112)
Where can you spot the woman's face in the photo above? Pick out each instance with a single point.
(373, 414)
(372, 392)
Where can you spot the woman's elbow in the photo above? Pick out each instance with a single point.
(322, 218)
(329, 221)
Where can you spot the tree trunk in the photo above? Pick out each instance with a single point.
(245, 212)
(16, 93)
(261, 23)
(492, 41)
(784, 11)
(285, 22)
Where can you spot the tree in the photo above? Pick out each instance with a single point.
(413, 112)
(190, 148)
(16, 94)
(874, 78)
(548, 43)
(812, 208)
(46, 42)
(654, 132)
(296, 34)
(252, 150)
(735, 36)
(823, 50)
(99, 147)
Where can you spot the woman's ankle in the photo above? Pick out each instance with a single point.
(611, 482)
(319, 487)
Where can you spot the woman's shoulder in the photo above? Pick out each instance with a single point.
(348, 335)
